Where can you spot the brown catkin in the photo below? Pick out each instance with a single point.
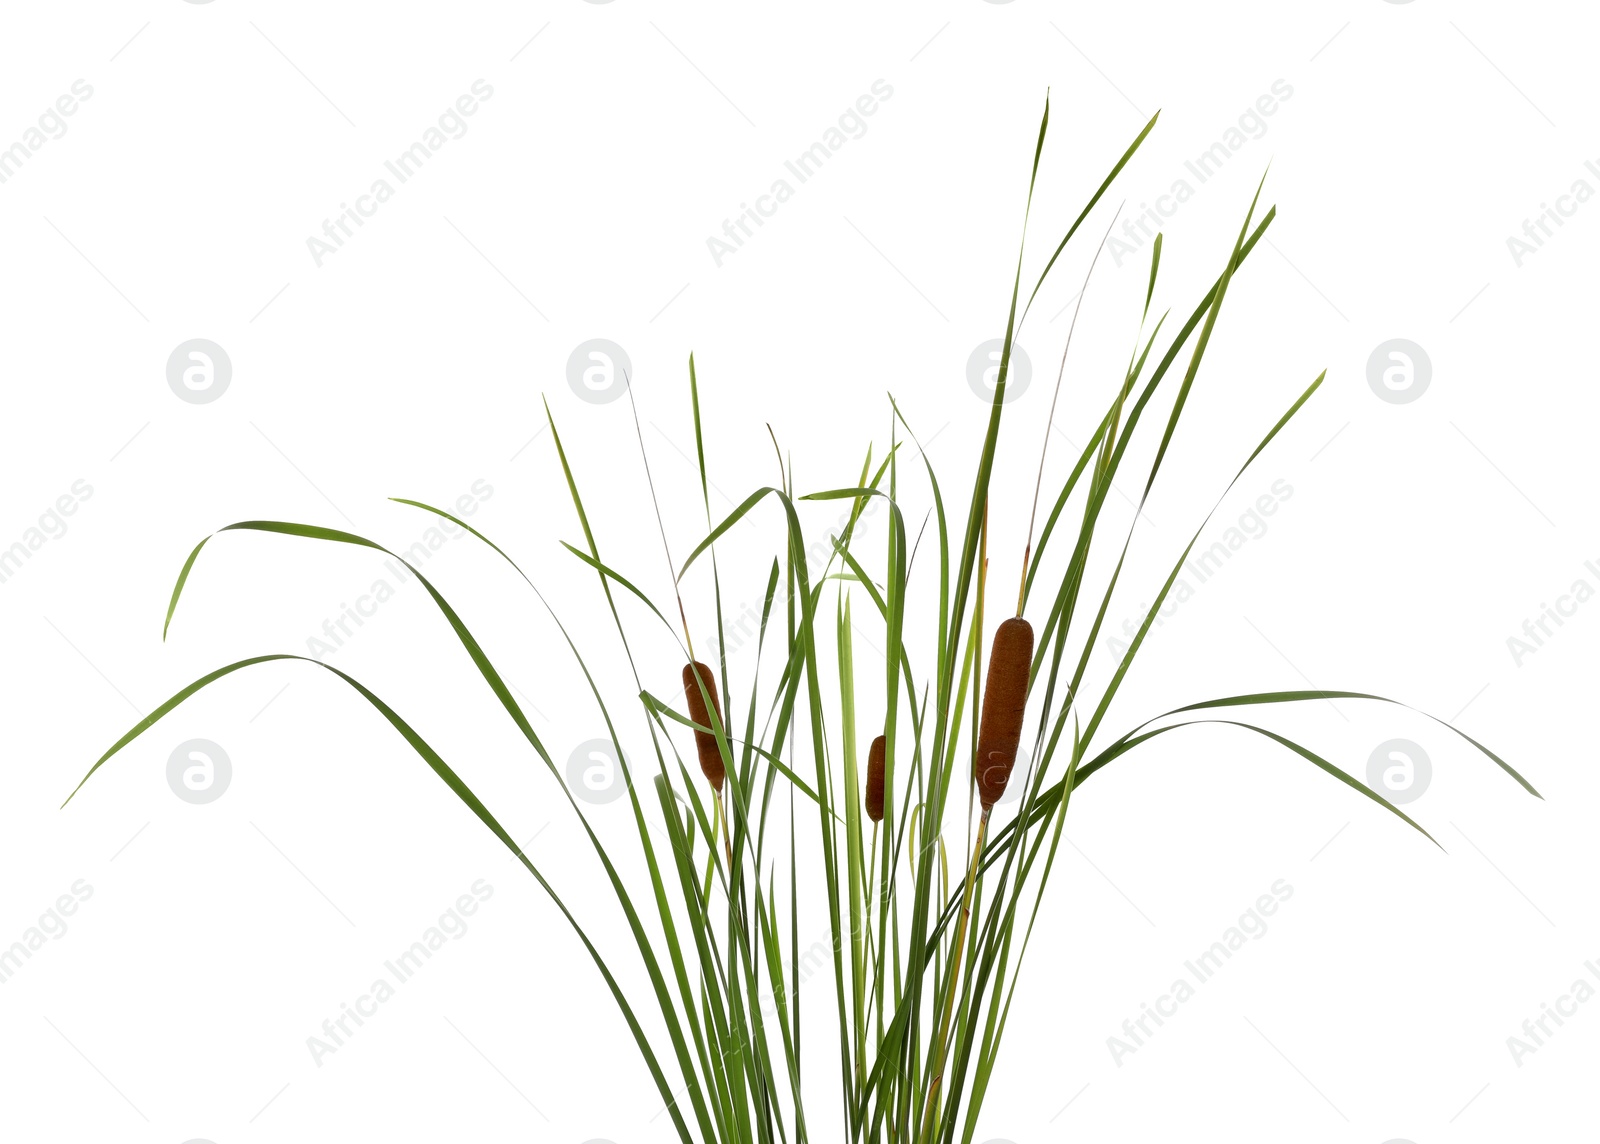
(875, 780)
(1004, 698)
(705, 743)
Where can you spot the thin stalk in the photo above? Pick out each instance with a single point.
(727, 842)
(955, 974)
(1027, 548)
(683, 617)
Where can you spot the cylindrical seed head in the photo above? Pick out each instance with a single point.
(705, 743)
(1004, 698)
(875, 780)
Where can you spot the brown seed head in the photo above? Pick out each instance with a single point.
(705, 744)
(1004, 698)
(875, 780)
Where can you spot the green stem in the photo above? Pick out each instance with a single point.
(955, 977)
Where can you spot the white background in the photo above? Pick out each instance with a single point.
(413, 362)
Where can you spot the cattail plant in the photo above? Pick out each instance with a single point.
(874, 793)
(697, 675)
(1005, 695)
(921, 973)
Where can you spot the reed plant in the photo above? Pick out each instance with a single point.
(924, 968)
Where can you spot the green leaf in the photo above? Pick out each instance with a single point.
(473, 803)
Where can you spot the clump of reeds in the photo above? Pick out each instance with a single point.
(919, 969)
